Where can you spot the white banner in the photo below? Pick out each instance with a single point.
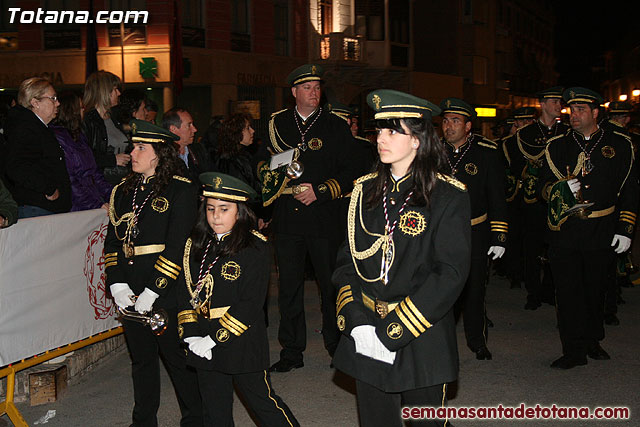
(52, 289)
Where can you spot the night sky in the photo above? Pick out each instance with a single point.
(585, 32)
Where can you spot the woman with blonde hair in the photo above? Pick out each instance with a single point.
(104, 133)
(35, 171)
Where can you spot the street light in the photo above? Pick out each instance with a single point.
(636, 92)
(622, 97)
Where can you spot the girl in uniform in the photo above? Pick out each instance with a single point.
(402, 268)
(226, 267)
(151, 213)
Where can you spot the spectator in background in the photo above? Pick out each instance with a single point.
(89, 188)
(35, 169)
(6, 102)
(194, 155)
(233, 157)
(103, 131)
(8, 207)
(131, 105)
(150, 110)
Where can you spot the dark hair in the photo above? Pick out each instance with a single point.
(168, 166)
(239, 238)
(231, 133)
(130, 101)
(150, 104)
(172, 118)
(69, 113)
(430, 159)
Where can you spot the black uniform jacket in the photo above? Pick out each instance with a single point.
(612, 185)
(478, 165)
(236, 320)
(328, 166)
(35, 165)
(165, 220)
(524, 155)
(428, 272)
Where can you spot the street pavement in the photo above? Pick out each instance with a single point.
(523, 344)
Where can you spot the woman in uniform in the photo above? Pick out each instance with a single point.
(402, 268)
(226, 268)
(151, 213)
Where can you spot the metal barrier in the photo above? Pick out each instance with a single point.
(8, 406)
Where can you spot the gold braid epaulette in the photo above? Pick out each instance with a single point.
(554, 169)
(366, 178)
(182, 178)
(341, 116)
(450, 180)
(112, 212)
(624, 135)
(259, 235)
(274, 135)
(484, 142)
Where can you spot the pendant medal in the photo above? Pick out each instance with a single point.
(128, 249)
(587, 168)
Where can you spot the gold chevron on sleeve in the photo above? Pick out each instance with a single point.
(345, 296)
(417, 312)
(187, 316)
(232, 320)
(407, 323)
(628, 216)
(166, 272)
(235, 331)
(169, 264)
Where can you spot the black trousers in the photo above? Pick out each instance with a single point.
(513, 255)
(378, 408)
(146, 349)
(473, 306)
(535, 217)
(255, 387)
(291, 252)
(580, 279)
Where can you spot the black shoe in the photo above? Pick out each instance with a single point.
(598, 353)
(483, 353)
(611, 319)
(284, 365)
(568, 362)
(532, 304)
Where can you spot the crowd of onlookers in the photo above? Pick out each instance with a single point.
(64, 152)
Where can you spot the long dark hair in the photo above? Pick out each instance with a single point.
(239, 238)
(231, 134)
(168, 166)
(430, 159)
(69, 114)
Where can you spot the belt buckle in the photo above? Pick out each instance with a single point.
(382, 308)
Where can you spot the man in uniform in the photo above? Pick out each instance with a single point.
(194, 156)
(619, 119)
(304, 208)
(525, 155)
(475, 161)
(586, 164)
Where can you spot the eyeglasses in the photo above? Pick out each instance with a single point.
(52, 98)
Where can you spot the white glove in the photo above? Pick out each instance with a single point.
(368, 344)
(574, 186)
(496, 251)
(624, 243)
(122, 294)
(201, 346)
(145, 301)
